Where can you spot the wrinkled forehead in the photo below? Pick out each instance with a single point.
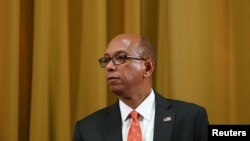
(122, 45)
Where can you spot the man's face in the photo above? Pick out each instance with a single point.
(127, 76)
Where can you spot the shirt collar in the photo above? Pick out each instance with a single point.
(145, 109)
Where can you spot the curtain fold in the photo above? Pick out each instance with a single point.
(92, 86)
(49, 51)
(9, 66)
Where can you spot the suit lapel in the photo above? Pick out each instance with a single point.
(164, 120)
(163, 126)
(112, 124)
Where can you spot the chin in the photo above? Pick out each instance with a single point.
(116, 90)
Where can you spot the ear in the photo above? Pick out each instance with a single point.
(149, 68)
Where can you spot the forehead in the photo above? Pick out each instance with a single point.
(125, 45)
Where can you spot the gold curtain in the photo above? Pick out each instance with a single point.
(50, 77)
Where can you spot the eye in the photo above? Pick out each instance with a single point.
(121, 57)
(105, 59)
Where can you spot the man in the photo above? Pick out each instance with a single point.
(140, 114)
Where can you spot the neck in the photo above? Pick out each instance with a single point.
(135, 99)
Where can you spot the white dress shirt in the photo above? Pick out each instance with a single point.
(147, 115)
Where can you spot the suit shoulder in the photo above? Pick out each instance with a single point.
(96, 117)
(92, 124)
(177, 104)
(180, 103)
(185, 107)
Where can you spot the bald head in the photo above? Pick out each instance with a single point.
(143, 47)
(125, 36)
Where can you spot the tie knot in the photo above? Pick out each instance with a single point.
(134, 115)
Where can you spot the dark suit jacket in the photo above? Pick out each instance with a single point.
(183, 122)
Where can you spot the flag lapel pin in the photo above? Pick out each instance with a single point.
(166, 119)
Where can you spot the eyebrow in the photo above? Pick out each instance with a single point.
(118, 52)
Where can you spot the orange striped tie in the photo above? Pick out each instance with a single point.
(134, 133)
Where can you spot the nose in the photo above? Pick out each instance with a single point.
(110, 66)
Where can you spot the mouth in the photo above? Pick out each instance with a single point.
(112, 78)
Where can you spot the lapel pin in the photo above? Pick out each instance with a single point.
(167, 119)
